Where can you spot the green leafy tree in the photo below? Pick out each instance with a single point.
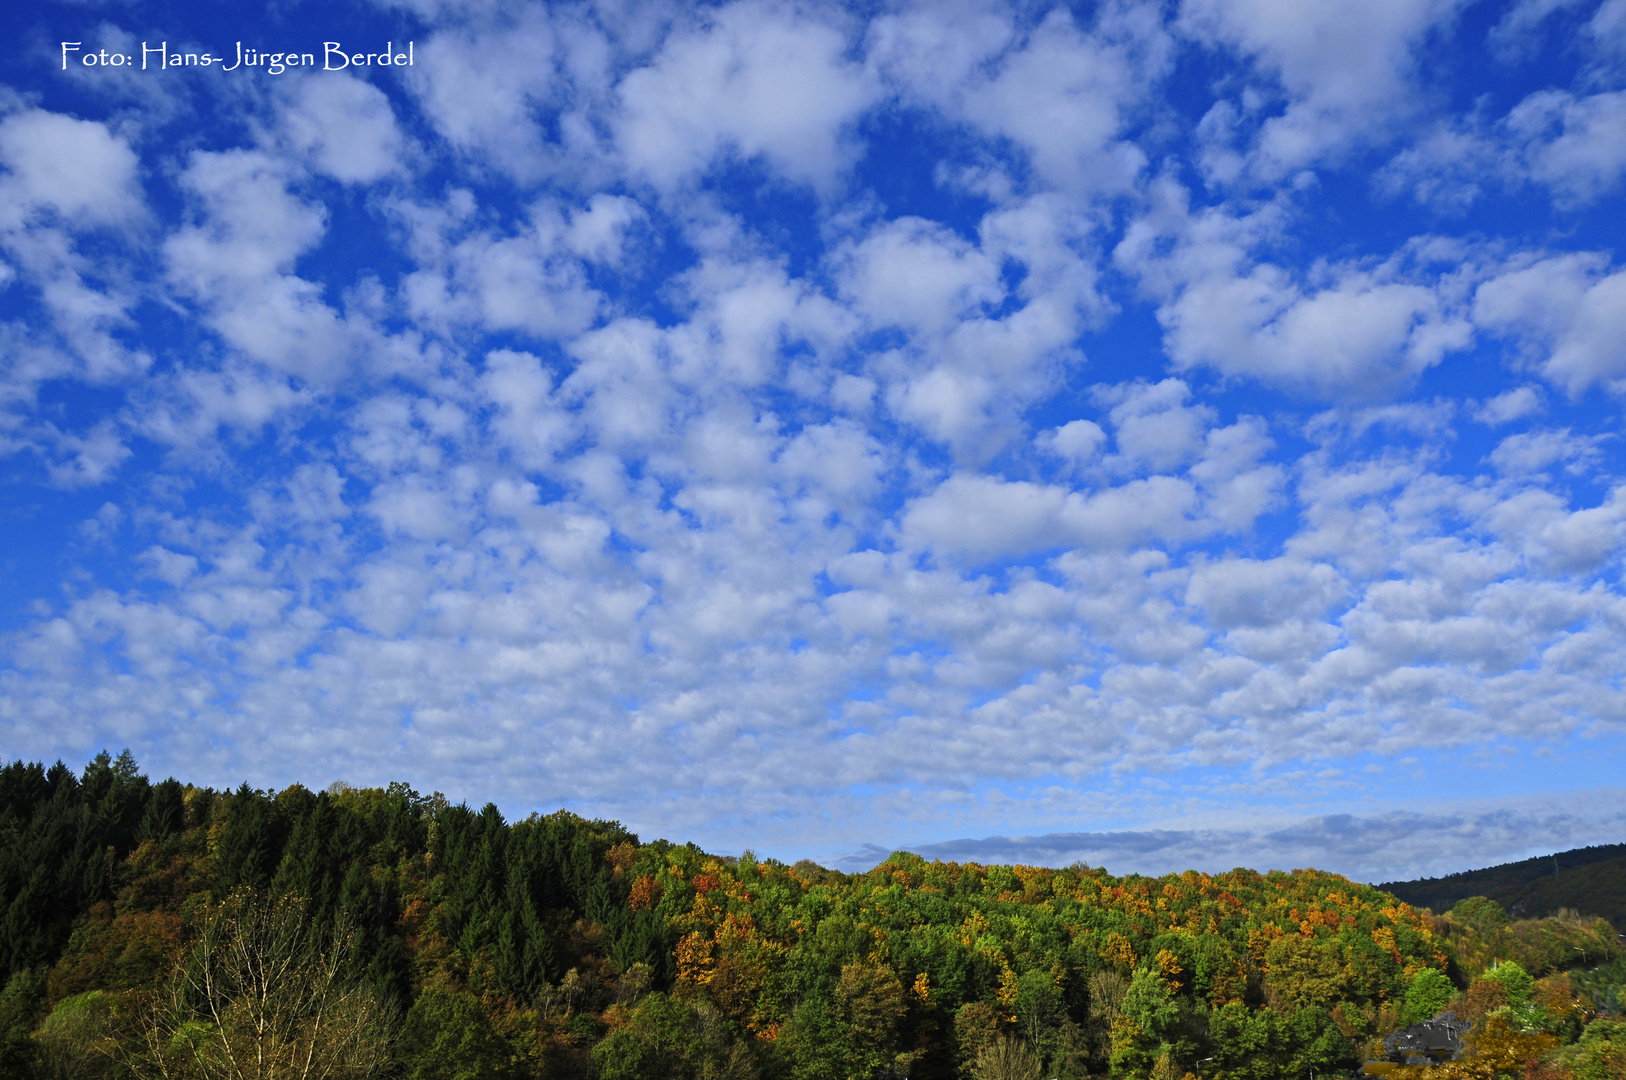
(1599, 1054)
(1243, 1042)
(1040, 1010)
(815, 1041)
(1147, 1015)
(1514, 979)
(79, 1039)
(21, 1002)
(869, 1006)
(1312, 1044)
(1522, 1013)
(447, 1035)
(976, 1027)
(1304, 972)
(251, 843)
(1427, 996)
(660, 1042)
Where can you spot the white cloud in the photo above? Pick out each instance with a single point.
(1575, 146)
(1511, 405)
(599, 233)
(754, 79)
(1153, 426)
(520, 89)
(1607, 30)
(72, 217)
(76, 169)
(1063, 92)
(345, 127)
(1568, 311)
(917, 274)
(236, 261)
(1347, 68)
(1446, 167)
(85, 458)
(976, 352)
(1536, 451)
(1077, 441)
(1569, 144)
(1064, 95)
(1258, 593)
(529, 277)
(1361, 329)
(1517, 33)
(981, 517)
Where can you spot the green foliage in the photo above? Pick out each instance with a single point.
(1599, 1054)
(667, 1039)
(78, 1040)
(21, 1004)
(1590, 879)
(1304, 973)
(869, 1007)
(447, 1035)
(61, 839)
(250, 845)
(815, 1042)
(1427, 996)
(1478, 932)
(1604, 986)
(976, 1027)
(1514, 979)
(1145, 1020)
(1266, 1045)
(557, 946)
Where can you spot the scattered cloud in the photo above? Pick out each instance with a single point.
(815, 427)
(1392, 846)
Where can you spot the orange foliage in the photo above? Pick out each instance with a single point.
(621, 857)
(646, 894)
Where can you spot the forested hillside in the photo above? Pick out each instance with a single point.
(167, 930)
(1591, 879)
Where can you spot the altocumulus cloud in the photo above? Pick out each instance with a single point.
(1152, 434)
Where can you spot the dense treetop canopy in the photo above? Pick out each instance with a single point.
(557, 946)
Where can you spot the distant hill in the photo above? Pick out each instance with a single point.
(1591, 880)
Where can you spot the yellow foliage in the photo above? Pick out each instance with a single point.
(1495, 1051)
(1168, 965)
(694, 959)
(1007, 986)
(1118, 952)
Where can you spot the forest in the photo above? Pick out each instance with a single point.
(167, 930)
(1592, 879)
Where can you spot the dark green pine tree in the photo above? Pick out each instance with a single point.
(251, 844)
(524, 955)
(310, 866)
(471, 856)
(165, 813)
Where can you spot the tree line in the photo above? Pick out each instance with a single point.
(171, 930)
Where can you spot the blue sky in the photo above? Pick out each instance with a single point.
(1163, 435)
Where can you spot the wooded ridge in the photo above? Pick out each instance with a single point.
(170, 930)
(1589, 879)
